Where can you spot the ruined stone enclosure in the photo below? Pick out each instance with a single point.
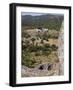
(47, 69)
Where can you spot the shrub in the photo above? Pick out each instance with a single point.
(54, 47)
(27, 61)
(25, 34)
(46, 53)
(38, 53)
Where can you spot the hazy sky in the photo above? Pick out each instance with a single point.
(36, 14)
(32, 13)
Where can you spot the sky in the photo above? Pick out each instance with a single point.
(33, 14)
(36, 14)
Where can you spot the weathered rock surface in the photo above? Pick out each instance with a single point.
(47, 69)
(61, 49)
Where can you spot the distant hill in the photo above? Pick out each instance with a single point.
(49, 21)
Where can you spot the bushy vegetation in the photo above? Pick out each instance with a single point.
(25, 34)
(27, 60)
(28, 49)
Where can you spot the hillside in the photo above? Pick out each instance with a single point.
(49, 21)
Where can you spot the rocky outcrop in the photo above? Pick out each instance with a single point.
(47, 69)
